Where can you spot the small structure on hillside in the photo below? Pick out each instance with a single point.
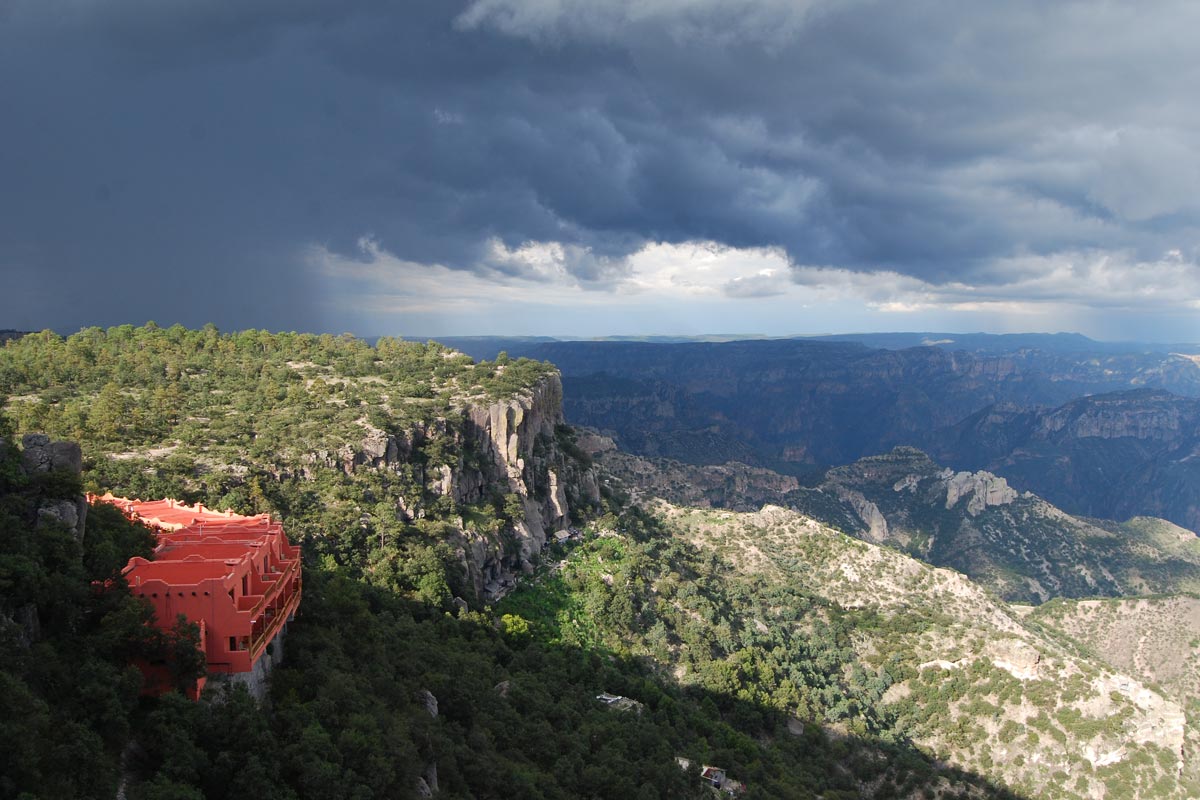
(714, 777)
(620, 703)
(237, 577)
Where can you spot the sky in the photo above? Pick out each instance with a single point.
(599, 167)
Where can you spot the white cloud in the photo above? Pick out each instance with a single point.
(766, 283)
(551, 273)
(664, 274)
(699, 269)
(555, 262)
(1094, 280)
(379, 282)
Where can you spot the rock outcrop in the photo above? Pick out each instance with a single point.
(982, 490)
(876, 524)
(427, 782)
(514, 444)
(518, 444)
(1017, 657)
(40, 454)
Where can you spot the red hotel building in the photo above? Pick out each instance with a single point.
(236, 576)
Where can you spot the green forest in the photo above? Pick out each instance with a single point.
(516, 710)
(349, 714)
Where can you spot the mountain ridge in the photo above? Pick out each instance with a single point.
(1015, 543)
(1114, 455)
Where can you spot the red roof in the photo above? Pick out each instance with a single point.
(192, 572)
(171, 514)
(174, 550)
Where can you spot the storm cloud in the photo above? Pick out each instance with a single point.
(395, 168)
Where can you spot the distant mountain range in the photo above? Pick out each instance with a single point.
(1100, 429)
(486, 347)
(1007, 342)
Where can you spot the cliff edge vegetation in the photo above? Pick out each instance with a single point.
(409, 463)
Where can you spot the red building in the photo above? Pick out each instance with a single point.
(236, 576)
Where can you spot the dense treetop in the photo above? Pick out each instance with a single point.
(254, 421)
(264, 393)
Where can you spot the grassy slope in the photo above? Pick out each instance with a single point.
(865, 641)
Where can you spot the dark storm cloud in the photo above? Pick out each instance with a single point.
(175, 160)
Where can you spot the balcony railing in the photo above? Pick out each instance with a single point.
(273, 619)
(254, 603)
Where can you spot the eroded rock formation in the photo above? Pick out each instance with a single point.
(981, 489)
(514, 444)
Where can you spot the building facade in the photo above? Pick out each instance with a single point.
(236, 576)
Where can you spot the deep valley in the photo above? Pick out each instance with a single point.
(738, 545)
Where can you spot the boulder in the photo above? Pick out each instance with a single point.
(42, 455)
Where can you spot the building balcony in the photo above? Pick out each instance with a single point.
(271, 585)
(273, 618)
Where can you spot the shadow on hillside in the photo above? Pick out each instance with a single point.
(378, 694)
(519, 717)
(775, 754)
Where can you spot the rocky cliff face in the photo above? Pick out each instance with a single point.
(1113, 456)
(517, 447)
(1140, 415)
(519, 443)
(981, 490)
